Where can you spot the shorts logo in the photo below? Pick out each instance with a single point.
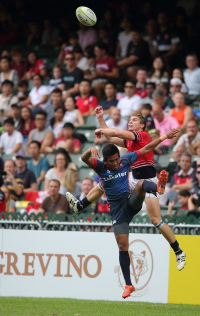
(114, 222)
(141, 267)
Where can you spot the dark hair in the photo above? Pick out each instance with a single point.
(152, 84)
(16, 105)
(69, 125)
(22, 121)
(41, 112)
(65, 154)
(186, 154)
(147, 106)
(8, 59)
(142, 69)
(28, 65)
(184, 193)
(57, 90)
(60, 107)
(57, 66)
(191, 55)
(7, 82)
(86, 80)
(102, 46)
(55, 180)
(73, 35)
(36, 142)
(109, 150)
(52, 121)
(38, 75)
(78, 49)
(23, 83)
(90, 51)
(9, 121)
(112, 83)
(162, 70)
(131, 81)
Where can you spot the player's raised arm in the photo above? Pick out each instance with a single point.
(171, 134)
(86, 156)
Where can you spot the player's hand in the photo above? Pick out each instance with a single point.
(94, 152)
(99, 111)
(98, 133)
(173, 133)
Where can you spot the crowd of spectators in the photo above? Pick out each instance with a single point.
(143, 60)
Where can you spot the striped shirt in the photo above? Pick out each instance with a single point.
(9, 184)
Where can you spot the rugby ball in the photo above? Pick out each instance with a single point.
(86, 16)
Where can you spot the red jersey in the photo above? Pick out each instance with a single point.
(39, 65)
(84, 105)
(142, 93)
(143, 167)
(107, 64)
(76, 142)
(178, 178)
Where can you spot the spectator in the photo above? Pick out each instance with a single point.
(6, 100)
(70, 182)
(27, 123)
(146, 112)
(18, 64)
(191, 137)
(11, 140)
(58, 171)
(10, 203)
(164, 124)
(86, 36)
(183, 179)
(131, 102)
(183, 199)
(150, 33)
(124, 38)
(66, 141)
(71, 77)
(182, 113)
(30, 183)
(194, 201)
(57, 80)
(150, 88)
(86, 102)
(166, 41)
(68, 48)
(196, 160)
(102, 206)
(89, 54)
(86, 187)
(15, 185)
(174, 164)
(158, 74)
(141, 83)
(35, 66)
(56, 100)
(50, 35)
(56, 202)
(178, 74)
(105, 69)
(38, 97)
(137, 54)
(34, 34)
(159, 98)
(57, 122)
(41, 133)
(81, 61)
(72, 115)
(7, 73)
(192, 75)
(38, 165)
(109, 100)
(175, 87)
(16, 114)
(22, 90)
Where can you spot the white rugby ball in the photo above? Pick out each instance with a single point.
(86, 16)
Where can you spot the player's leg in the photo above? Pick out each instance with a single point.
(92, 196)
(121, 232)
(153, 209)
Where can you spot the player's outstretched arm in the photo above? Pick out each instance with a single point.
(86, 156)
(171, 134)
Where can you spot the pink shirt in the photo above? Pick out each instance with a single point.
(165, 126)
(87, 37)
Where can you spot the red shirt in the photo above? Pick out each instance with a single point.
(84, 105)
(25, 132)
(39, 65)
(142, 93)
(106, 65)
(76, 142)
(19, 68)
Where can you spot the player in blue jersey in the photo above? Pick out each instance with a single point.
(113, 172)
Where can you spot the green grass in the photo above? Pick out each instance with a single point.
(18, 306)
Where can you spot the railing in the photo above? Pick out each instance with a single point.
(186, 229)
(15, 224)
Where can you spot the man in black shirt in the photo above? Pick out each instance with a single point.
(30, 182)
(71, 77)
(137, 54)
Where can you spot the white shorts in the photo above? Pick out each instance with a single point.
(133, 182)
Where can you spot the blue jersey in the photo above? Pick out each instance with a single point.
(116, 182)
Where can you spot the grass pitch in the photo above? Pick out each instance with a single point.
(18, 306)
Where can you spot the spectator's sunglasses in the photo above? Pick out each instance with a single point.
(175, 86)
(72, 58)
(129, 87)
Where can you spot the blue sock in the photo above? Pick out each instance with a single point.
(149, 186)
(124, 261)
(83, 203)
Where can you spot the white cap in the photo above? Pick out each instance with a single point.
(176, 80)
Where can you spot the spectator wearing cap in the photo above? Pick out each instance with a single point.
(178, 73)
(192, 75)
(38, 165)
(66, 141)
(164, 124)
(86, 102)
(81, 61)
(11, 140)
(30, 183)
(131, 102)
(16, 114)
(15, 185)
(41, 133)
(56, 202)
(6, 100)
(175, 86)
(7, 73)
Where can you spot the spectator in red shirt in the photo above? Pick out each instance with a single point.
(105, 69)
(141, 83)
(18, 64)
(35, 66)
(86, 103)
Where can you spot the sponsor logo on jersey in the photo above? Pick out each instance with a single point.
(119, 175)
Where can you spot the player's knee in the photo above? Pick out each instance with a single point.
(155, 220)
(122, 245)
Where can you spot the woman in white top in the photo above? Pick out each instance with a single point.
(58, 171)
(72, 114)
(57, 121)
(7, 73)
(70, 182)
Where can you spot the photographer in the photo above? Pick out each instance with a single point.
(194, 200)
